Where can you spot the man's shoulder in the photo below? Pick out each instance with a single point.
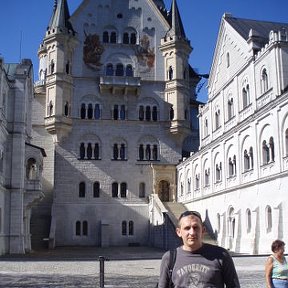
(215, 248)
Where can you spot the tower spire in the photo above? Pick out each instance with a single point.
(176, 22)
(60, 17)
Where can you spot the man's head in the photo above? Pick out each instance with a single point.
(191, 230)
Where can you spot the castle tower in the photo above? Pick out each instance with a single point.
(176, 50)
(55, 55)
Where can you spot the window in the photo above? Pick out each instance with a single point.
(148, 112)
(142, 192)
(131, 228)
(170, 73)
(31, 169)
(66, 109)
(83, 231)
(52, 67)
(50, 108)
(141, 114)
(105, 37)
(268, 153)
(129, 71)
(248, 220)
(124, 228)
(83, 111)
(85, 228)
(113, 37)
(119, 112)
(205, 127)
(90, 111)
(109, 70)
(207, 177)
(115, 190)
(154, 113)
(227, 60)
(82, 190)
(245, 96)
(96, 190)
(218, 172)
(123, 190)
(125, 38)
(171, 113)
(119, 70)
(230, 108)
(217, 119)
(286, 142)
(78, 228)
(197, 181)
(148, 152)
(67, 67)
(271, 144)
(268, 218)
(89, 151)
(232, 166)
(119, 151)
(248, 159)
(188, 185)
(264, 81)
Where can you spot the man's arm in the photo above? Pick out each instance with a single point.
(164, 271)
(229, 272)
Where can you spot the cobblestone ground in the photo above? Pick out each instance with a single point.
(118, 273)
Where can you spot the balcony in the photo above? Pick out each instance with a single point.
(122, 85)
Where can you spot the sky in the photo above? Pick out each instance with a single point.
(23, 25)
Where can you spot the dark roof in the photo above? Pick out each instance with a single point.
(175, 21)
(60, 17)
(263, 28)
(10, 69)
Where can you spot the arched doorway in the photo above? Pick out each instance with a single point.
(164, 191)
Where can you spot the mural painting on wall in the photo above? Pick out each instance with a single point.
(145, 54)
(92, 51)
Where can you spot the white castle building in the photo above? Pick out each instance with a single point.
(239, 177)
(21, 163)
(115, 110)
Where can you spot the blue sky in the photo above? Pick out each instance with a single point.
(201, 20)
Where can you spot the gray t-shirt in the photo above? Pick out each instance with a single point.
(209, 267)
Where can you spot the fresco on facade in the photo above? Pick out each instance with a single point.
(92, 51)
(145, 54)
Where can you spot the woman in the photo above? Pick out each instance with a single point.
(276, 268)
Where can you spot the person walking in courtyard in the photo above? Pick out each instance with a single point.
(276, 268)
(197, 264)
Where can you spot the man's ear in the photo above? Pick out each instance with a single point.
(204, 230)
(178, 232)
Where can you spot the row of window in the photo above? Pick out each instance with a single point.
(81, 228)
(246, 101)
(268, 156)
(248, 221)
(119, 112)
(112, 37)
(146, 152)
(119, 190)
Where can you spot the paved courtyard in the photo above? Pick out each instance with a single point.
(130, 267)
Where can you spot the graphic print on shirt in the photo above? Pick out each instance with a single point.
(194, 275)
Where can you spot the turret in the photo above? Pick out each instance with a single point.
(176, 49)
(55, 70)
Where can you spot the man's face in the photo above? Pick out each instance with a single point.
(191, 230)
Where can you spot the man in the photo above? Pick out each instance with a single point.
(197, 264)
